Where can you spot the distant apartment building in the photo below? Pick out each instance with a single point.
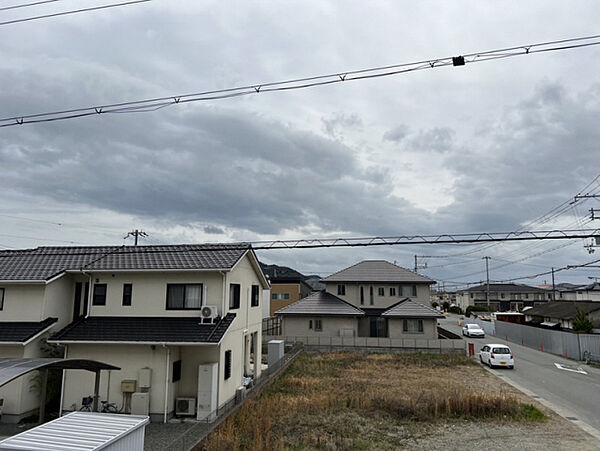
(286, 291)
(503, 297)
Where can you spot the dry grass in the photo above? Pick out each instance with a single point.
(350, 400)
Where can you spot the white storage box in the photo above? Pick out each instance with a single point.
(79, 431)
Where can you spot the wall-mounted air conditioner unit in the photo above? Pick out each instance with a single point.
(185, 406)
(208, 313)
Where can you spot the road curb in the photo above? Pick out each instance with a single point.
(565, 413)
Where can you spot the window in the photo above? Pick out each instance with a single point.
(502, 295)
(549, 296)
(254, 299)
(310, 323)
(127, 289)
(341, 290)
(318, 325)
(99, 294)
(227, 369)
(413, 326)
(392, 291)
(176, 370)
(471, 295)
(409, 290)
(182, 296)
(526, 295)
(234, 296)
(371, 295)
(362, 295)
(1, 298)
(381, 291)
(280, 296)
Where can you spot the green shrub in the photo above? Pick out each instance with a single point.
(476, 308)
(581, 323)
(455, 309)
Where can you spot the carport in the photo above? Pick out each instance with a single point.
(11, 369)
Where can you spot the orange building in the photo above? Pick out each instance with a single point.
(286, 291)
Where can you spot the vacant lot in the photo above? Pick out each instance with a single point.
(380, 401)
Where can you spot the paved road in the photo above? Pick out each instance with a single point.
(570, 393)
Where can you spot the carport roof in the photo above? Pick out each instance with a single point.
(13, 368)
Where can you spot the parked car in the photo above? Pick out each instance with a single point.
(473, 330)
(497, 355)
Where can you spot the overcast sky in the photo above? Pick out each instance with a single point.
(484, 147)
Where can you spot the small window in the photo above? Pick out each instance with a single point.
(392, 291)
(362, 295)
(127, 290)
(471, 295)
(526, 296)
(255, 296)
(1, 298)
(176, 370)
(310, 323)
(341, 290)
(227, 369)
(502, 295)
(413, 326)
(234, 296)
(381, 291)
(409, 290)
(280, 296)
(182, 296)
(371, 295)
(318, 325)
(99, 294)
(549, 296)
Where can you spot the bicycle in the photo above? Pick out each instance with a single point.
(87, 404)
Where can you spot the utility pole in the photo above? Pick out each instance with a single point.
(417, 267)
(136, 234)
(487, 284)
(553, 286)
(416, 264)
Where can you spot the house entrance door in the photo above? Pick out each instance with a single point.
(378, 327)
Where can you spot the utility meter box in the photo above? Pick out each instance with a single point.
(144, 378)
(127, 386)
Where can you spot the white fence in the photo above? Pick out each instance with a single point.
(400, 344)
(566, 344)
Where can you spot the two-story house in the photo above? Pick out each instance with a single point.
(503, 296)
(373, 298)
(286, 291)
(182, 322)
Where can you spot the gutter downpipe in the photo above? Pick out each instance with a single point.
(88, 301)
(166, 383)
(62, 387)
(224, 274)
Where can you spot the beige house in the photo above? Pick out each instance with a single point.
(503, 297)
(373, 298)
(182, 322)
(286, 291)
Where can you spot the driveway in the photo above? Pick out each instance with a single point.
(572, 390)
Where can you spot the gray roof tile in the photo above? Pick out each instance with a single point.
(411, 309)
(21, 331)
(321, 304)
(144, 329)
(377, 271)
(562, 309)
(43, 263)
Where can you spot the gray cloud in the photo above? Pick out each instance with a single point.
(396, 134)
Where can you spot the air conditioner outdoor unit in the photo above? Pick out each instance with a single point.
(185, 406)
(209, 312)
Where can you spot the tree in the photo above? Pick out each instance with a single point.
(581, 323)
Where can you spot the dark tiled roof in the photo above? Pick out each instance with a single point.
(321, 303)
(43, 263)
(506, 288)
(144, 330)
(410, 309)
(377, 271)
(562, 309)
(21, 331)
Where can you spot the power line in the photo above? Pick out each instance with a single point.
(152, 104)
(25, 5)
(73, 11)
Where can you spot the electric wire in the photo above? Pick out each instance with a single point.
(74, 11)
(25, 5)
(299, 83)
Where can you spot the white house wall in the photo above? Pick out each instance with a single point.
(353, 294)
(297, 326)
(22, 302)
(12, 392)
(58, 301)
